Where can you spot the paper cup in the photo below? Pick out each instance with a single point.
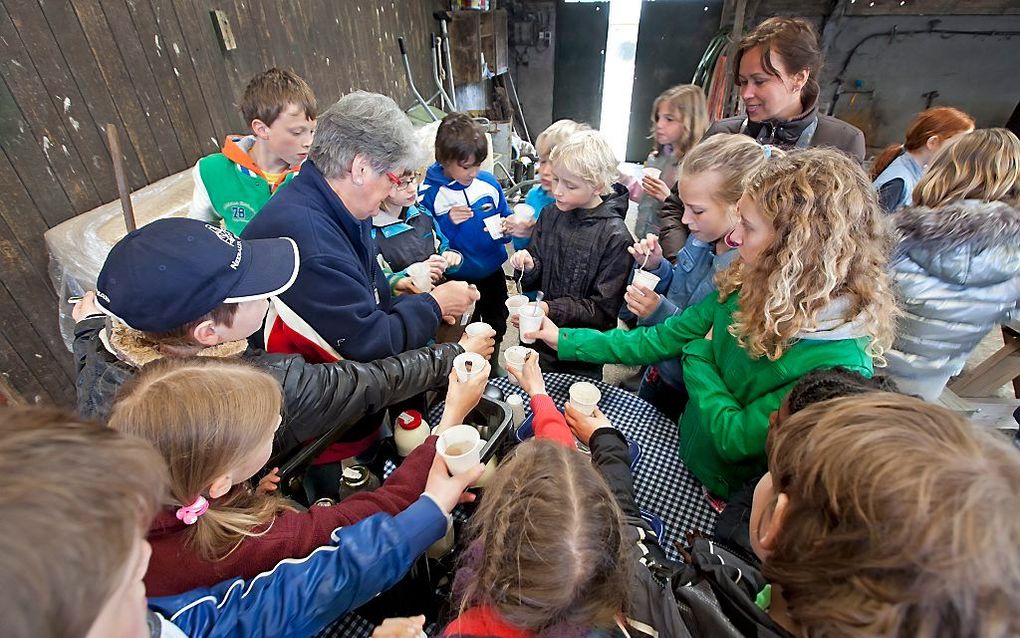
(420, 276)
(494, 225)
(524, 212)
(478, 329)
(468, 365)
(514, 304)
(647, 279)
(584, 397)
(461, 448)
(515, 356)
(652, 172)
(531, 316)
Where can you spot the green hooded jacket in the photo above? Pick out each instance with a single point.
(723, 428)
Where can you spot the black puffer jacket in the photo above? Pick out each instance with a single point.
(317, 396)
(581, 262)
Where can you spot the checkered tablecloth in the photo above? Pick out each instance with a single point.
(662, 485)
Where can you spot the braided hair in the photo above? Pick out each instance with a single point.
(832, 383)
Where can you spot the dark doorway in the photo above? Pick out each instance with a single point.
(581, 29)
(672, 36)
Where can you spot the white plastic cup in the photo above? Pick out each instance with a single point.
(494, 225)
(652, 172)
(420, 276)
(461, 448)
(524, 212)
(515, 356)
(647, 279)
(478, 329)
(531, 316)
(584, 397)
(515, 303)
(468, 365)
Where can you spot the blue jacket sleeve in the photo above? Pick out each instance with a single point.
(350, 320)
(300, 597)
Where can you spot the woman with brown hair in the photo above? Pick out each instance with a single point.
(777, 68)
(898, 167)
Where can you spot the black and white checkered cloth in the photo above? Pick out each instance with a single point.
(662, 485)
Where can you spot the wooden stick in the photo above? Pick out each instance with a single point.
(118, 171)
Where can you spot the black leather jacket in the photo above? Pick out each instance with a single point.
(317, 396)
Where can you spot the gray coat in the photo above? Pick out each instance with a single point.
(957, 275)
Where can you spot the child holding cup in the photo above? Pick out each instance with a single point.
(809, 291)
(712, 177)
(578, 256)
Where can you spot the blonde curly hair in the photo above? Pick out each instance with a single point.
(831, 240)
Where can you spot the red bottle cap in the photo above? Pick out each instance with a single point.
(409, 419)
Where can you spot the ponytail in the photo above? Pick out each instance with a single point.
(884, 159)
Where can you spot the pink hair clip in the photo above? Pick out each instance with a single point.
(730, 242)
(189, 513)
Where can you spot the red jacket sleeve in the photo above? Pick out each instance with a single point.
(548, 422)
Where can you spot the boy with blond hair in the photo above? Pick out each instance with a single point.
(232, 186)
(578, 255)
(539, 196)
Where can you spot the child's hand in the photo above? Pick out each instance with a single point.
(522, 260)
(448, 490)
(452, 258)
(530, 375)
(549, 333)
(437, 266)
(641, 301)
(655, 187)
(517, 227)
(405, 286)
(462, 397)
(582, 425)
(269, 483)
(400, 628)
(479, 345)
(460, 214)
(650, 247)
(86, 307)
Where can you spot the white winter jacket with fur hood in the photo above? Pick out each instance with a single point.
(957, 274)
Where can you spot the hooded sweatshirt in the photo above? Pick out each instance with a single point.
(230, 187)
(957, 273)
(723, 429)
(483, 255)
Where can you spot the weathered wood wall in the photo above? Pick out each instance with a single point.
(156, 69)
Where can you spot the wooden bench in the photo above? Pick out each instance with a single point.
(995, 371)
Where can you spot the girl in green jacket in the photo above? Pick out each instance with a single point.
(809, 291)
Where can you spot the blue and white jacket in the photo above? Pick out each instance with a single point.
(300, 597)
(907, 172)
(483, 255)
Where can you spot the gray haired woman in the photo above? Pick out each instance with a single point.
(341, 306)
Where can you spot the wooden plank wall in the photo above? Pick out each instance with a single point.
(156, 69)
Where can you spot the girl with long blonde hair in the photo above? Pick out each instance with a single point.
(957, 265)
(213, 421)
(808, 291)
(712, 178)
(679, 119)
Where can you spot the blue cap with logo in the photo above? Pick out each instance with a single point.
(173, 271)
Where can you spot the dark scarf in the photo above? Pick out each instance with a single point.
(782, 133)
